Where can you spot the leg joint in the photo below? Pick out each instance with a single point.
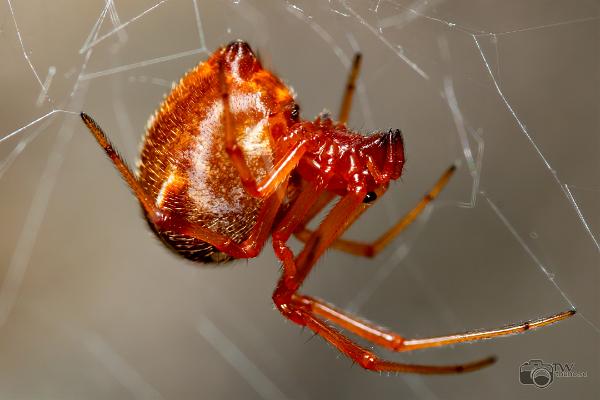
(368, 361)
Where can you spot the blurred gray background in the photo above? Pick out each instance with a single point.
(92, 306)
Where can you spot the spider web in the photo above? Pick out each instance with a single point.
(90, 304)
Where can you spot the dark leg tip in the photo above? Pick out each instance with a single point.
(89, 121)
(474, 366)
(86, 118)
(487, 361)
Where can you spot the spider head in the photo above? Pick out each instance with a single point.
(357, 163)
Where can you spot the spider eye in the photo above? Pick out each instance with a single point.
(295, 112)
(369, 197)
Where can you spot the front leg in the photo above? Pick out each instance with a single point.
(372, 249)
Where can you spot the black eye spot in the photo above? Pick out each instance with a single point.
(369, 197)
(295, 112)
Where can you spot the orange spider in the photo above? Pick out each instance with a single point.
(226, 161)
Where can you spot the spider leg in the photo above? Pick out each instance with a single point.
(282, 168)
(368, 360)
(121, 166)
(374, 248)
(308, 197)
(350, 88)
(250, 247)
(320, 203)
(392, 341)
(290, 303)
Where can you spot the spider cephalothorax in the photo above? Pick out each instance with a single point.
(345, 161)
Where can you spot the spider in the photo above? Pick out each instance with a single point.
(226, 161)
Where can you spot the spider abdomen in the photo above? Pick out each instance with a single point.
(184, 166)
